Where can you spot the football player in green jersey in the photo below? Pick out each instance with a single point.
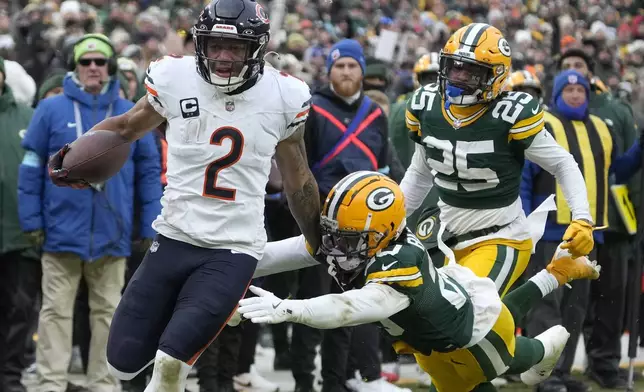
(471, 142)
(454, 322)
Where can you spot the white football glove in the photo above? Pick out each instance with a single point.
(266, 307)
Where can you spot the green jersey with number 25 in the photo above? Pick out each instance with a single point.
(477, 160)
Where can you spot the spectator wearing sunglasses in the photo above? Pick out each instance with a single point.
(83, 233)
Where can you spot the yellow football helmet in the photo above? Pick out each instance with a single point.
(426, 69)
(520, 80)
(474, 64)
(362, 214)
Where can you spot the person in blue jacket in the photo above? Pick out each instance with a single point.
(83, 232)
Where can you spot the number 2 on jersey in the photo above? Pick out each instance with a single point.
(210, 188)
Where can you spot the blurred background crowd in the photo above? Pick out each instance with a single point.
(38, 34)
(37, 39)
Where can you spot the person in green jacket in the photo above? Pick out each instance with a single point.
(608, 298)
(19, 260)
(425, 72)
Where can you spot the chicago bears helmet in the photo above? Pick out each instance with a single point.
(231, 38)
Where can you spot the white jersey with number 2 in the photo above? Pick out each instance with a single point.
(219, 152)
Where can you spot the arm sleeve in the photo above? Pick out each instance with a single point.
(545, 152)
(626, 165)
(285, 255)
(33, 170)
(417, 182)
(527, 186)
(158, 73)
(297, 104)
(372, 303)
(147, 161)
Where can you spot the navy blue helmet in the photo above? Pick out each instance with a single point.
(231, 38)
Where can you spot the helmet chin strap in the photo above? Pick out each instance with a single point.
(452, 92)
(455, 96)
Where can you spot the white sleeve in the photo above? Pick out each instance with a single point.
(157, 84)
(547, 153)
(417, 182)
(374, 302)
(285, 255)
(297, 101)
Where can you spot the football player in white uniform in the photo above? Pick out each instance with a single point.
(228, 115)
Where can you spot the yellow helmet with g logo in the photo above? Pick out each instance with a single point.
(362, 214)
(427, 63)
(519, 80)
(426, 69)
(474, 64)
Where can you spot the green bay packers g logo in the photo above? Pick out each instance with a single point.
(380, 199)
(504, 47)
(425, 228)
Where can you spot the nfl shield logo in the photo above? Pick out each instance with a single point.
(230, 106)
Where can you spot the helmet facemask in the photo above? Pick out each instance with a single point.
(228, 60)
(348, 251)
(465, 82)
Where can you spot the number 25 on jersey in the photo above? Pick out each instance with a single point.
(236, 139)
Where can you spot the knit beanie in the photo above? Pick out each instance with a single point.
(53, 81)
(93, 43)
(346, 48)
(569, 77)
(377, 70)
(562, 80)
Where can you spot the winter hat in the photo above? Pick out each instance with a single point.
(559, 104)
(376, 70)
(53, 81)
(93, 43)
(569, 77)
(346, 48)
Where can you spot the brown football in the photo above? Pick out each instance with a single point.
(96, 156)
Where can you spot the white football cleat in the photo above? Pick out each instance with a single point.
(253, 382)
(553, 340)
(380, 385)
(499, 382)
(424, 380)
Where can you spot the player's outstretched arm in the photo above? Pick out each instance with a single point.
(285, 255)
(547, 153)
(134, 123)
(372, 303)
(300, 186)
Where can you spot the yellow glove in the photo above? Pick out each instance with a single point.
(578, 238)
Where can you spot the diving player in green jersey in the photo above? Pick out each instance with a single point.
(471, 141)
(454, 322)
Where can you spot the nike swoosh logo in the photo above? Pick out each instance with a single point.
(386, 267)
(278, 304)
(535, 110)
(71, 125)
